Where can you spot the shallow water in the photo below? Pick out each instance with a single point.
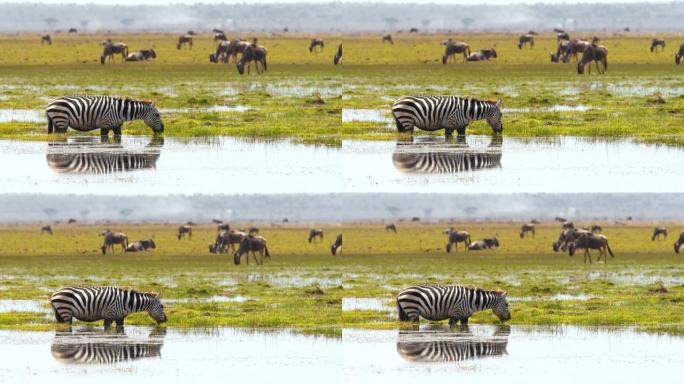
(21, 115)
(7, 305)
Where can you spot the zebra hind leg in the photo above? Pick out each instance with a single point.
(104, 132)
(117, 131)
(107, 323)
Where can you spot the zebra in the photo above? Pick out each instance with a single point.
(425, 156)
(336, 248)
(680, 54)
(452, 48)
(597, 54)
(337, 59)
(655, 43)
(657, 232)
(316, 43)
(453, 302)
(315, 233)
(679, 242)
(88, 347)
(252, 244)
(45, 39)
(451, 347)
(86, 113)
(456, 237)
(253, 53)
(110, 304)
(110, 49)
(527, 229)
(184, 40)
(525, 39)
(184, 230)
(431, 113)
(46, 229)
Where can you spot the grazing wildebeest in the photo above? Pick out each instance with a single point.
(452, 48)
(657, 232)
(141, 245)
(338, 55)
(569, 49)
(679, 242)
(142, 55)
(71, 221)
(315, 233)
(256, 54)
(483, 244)
(525, 39)
(46, 229)
(226, 239)
(568, 225)
(316, 43)
(589, 241)
(532, 32)
(456, 237)
(252, 244)
(562, 36)
(222, 53)
(184, 40)
(337, 247)
(45, 39)
(110, 49)
(482, 55)
(526, 229)
(596, 228)
(191, 33)
(655, 43)
(73, 30)
(413, 30)
(111, 239)
(679, 55)
(223, 227)
(391, 227)
(216, 30)
(387, 39)
(597, 54)
(566, 237)
(220, 36)
(184, 230)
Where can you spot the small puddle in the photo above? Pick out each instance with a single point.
(22, 115)
(556, 297)
(8, 305)
(295, 281)
(365, 304)
(210, 299)
(369, 115)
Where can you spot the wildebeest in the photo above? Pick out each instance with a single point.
(314, 234)
(220, 36)
(594, 53)
(141, 245)
(216, 30)
(452, 48)
(226, 239)
(391, 227)
(655, 43)
(71, 221)
(223, 227)
(45, 39)
(73, 30)
(560, 219)
(679, 55)
(184, 40)
(482, 55)
(657, 232)
(415, 219)
(568, 225)
(387, 39)
(217, 221)
(569, 49)
(566, 237)
(253, 53)
(110, 49)
(336, 248)
(525, 39)
(679, 242)
(456, 237)
(252, 244)
(535, 221)
(316, 43)
(558, 30)
(413, 30)
(532, 32)
(562, 36)
(191, 33)
(142, 55)
(483, 244)
(526, 229)
(596, 228)
(222, 53)
(111, 239)
(46, 229)
(184, 230)
(589, 241)
(338, 55)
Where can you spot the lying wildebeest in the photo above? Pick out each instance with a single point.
(316, 43)
(142, 55)
(222, 53)
(482, 55)
(589, 241)
(45, 39)
(184, 230)
(679, 55)
(391, 227)
(483, 244)
(387, 39)
(679, 242)
(141, 245)
(657, 232)
(337, 247)
(220, 36)
(184, 40)
(226, 239)
(566, 237)
(253, 53)
(315, 233)
(655, 43)
(252, 244)
(452, 48)
(597, 54)
(596, 228)
(525, 39)
(456, 237)
(110, 49)
(111, 239)
(568, 225)
(46, 229)
(338, 55)
(526, 229)
(562, 36)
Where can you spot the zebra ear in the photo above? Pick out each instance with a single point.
(498, 103)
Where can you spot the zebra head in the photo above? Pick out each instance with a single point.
(500, 307)
(495, 117)
(152, 118)
(155, 307)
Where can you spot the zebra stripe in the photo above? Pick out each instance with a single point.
(85, 113)
(453, 302)
(103, 353)
(446, 162)
(104, 303)
(101, 163)
(432, 113)
(448, 351)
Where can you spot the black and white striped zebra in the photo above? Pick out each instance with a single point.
(423, 156)
(453, 302)
(110, 304)
(85, 113)
(90, 347)
(432, 113)
(451, 347)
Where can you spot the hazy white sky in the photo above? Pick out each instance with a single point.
(162, 2)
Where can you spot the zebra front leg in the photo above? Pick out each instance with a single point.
(107, 323)
(119, 322)
(104, 131)
(117, 131)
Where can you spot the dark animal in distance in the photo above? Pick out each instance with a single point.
(562, 36)
(679, 55)
(220, 36)
(111, 48)
(655, 43)
(73, 30)
(597, 54)
(315, 234)
(45, 39)
(387, 39)
(46, 229)
(679, 242)
(482, 55)
(184, 40)
(184, 230)
(253, 53)
(142, 55)
(659, 231)
(336, 248)
(71, 221)
(391, 227)
(525, 40)
(596, 228)
(252, 244)
(111, 239)
(526, 229)
(337, 59)
(316, 43)
(456, 237)
(589, 241)
(413, 30)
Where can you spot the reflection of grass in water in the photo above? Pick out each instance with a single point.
(375, 264)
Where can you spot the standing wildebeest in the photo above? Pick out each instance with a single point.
(220, 36)
(568, 225)
(226, 239)
(657, 231)
(387, 39)
(110, 49)
(222, 53)
(566, 237)
(316, 43)
(597, 54)
(559, 30)
(141, 245)
(679, 55)
(216, 30)
(526, 229)
(562, 36)
(183, 230)
(456, 237)
(589, 241)
(483, 244)
(142, 55)
(223, 227)
(191, 33)
(338, 55)
(252, 244)
(253, 53)
(337, 247)
(525, 39)
(560, 219)
(569, 49)
(184, 40)
(315, 233)
(532, 32)
(679, 242)
(111, 239)
(46, 229)
(413, 30)
(655, 43)
(596, 228)
(391, 227)
(452, 48)
(45, 39)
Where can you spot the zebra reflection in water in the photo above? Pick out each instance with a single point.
(93, 346)
(431, 346)
(451, 156)
(101, 155)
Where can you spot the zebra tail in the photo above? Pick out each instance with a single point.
(51, 125)
(403, 316)
(58, 317)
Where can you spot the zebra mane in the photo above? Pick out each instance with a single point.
(497, 291)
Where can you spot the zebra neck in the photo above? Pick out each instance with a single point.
(481, 300)
(136, 302)
(133, 110)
